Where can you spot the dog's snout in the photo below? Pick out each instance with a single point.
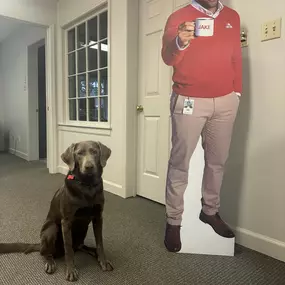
(89, 166)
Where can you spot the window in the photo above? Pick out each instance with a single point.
(87, 65)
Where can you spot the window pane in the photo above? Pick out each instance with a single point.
(104, 109)
(81, 36)
(92, 31)
(93, 57)
(103, 54)
(93, 109)
(104, 82)
(72, 109)
(71, 40)
(71, 87)
(103, 25)
(81, 60)
(82, 85)
(82, 116)
(93, 84)
(71, 64)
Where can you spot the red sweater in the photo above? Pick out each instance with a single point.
(210, 66)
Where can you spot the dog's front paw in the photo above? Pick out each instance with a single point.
(50, 267)
(106, 265)
(71, 274)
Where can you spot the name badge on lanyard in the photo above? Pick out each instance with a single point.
(188, 106)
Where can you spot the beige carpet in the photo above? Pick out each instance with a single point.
(133, 231)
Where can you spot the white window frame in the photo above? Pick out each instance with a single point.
(77, 123)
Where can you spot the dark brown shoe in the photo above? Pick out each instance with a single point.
(172, 238)
(218, 225)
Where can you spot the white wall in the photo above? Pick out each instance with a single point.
(119, 175)
(44, 13)
(35, 11)
(253, 193)
(14, 67)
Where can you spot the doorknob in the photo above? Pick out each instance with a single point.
(139, 108)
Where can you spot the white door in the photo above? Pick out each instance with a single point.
(154, 91)
(153, 99)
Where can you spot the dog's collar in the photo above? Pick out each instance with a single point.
(71, 176)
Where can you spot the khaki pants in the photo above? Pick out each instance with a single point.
(213, 118)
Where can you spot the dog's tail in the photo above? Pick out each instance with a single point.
(19, 247)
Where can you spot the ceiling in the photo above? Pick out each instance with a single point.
(7, 26)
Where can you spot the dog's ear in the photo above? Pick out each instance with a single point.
(68, 157)
(105, 153)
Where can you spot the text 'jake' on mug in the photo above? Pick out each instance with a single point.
(204, 27)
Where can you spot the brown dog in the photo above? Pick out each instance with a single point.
(78, 202)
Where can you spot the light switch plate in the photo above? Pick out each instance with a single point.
(271, 30)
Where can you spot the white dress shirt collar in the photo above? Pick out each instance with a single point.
(207, 12)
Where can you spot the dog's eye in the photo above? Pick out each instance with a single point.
(93, 151)
(80, 153)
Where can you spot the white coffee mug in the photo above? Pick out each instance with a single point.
(204, 27)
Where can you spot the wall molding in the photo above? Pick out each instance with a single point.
(260, 243)
(109, 186)
(85, 129)
(19, 154)
(52, 143)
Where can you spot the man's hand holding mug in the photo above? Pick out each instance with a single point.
(186, 33)
(201, 27)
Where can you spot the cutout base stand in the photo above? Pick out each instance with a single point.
(197, 237)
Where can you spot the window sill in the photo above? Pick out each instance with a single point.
(103, 130)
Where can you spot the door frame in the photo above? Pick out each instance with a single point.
(132, 138)
(33, 127)
(134, 115)
(130, 150)
(51, 99)
(51, 115)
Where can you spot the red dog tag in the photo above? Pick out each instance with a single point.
(70, 177)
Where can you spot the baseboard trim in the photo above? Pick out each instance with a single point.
(19, 154)
(260, 243)
(114, 188)
(109, 186)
